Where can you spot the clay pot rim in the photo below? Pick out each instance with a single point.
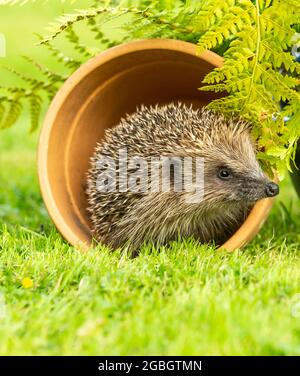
(255, 218)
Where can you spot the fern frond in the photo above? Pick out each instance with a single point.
(258, 72)
(2, 110)
(179, 22)
(13, 113)
(29, 80)
(68, 20)
(46, 72)
(35, 102)
(230, 20)
(280, 59)
(61, 57)
(74, 40)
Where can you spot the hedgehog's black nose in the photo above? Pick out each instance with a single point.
(272, 189)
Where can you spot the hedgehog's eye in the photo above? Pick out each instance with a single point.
(224, 173)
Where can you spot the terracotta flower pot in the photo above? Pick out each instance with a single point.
(94, 98)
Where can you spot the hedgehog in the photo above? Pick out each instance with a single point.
(209, 209)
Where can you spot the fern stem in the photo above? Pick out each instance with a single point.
(276, 24)
(172, 26)
(91, 13)
(256, 56)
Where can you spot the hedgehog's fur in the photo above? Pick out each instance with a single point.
(128, 218)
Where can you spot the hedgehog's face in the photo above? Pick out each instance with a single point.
(234, 176)
(233, 185)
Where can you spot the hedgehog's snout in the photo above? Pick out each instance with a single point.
(252, 190)
(257, 189)
(271, 189)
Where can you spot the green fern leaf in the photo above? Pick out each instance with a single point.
(35, 111)
(13, 114)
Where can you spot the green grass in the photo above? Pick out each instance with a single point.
(185, 299)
